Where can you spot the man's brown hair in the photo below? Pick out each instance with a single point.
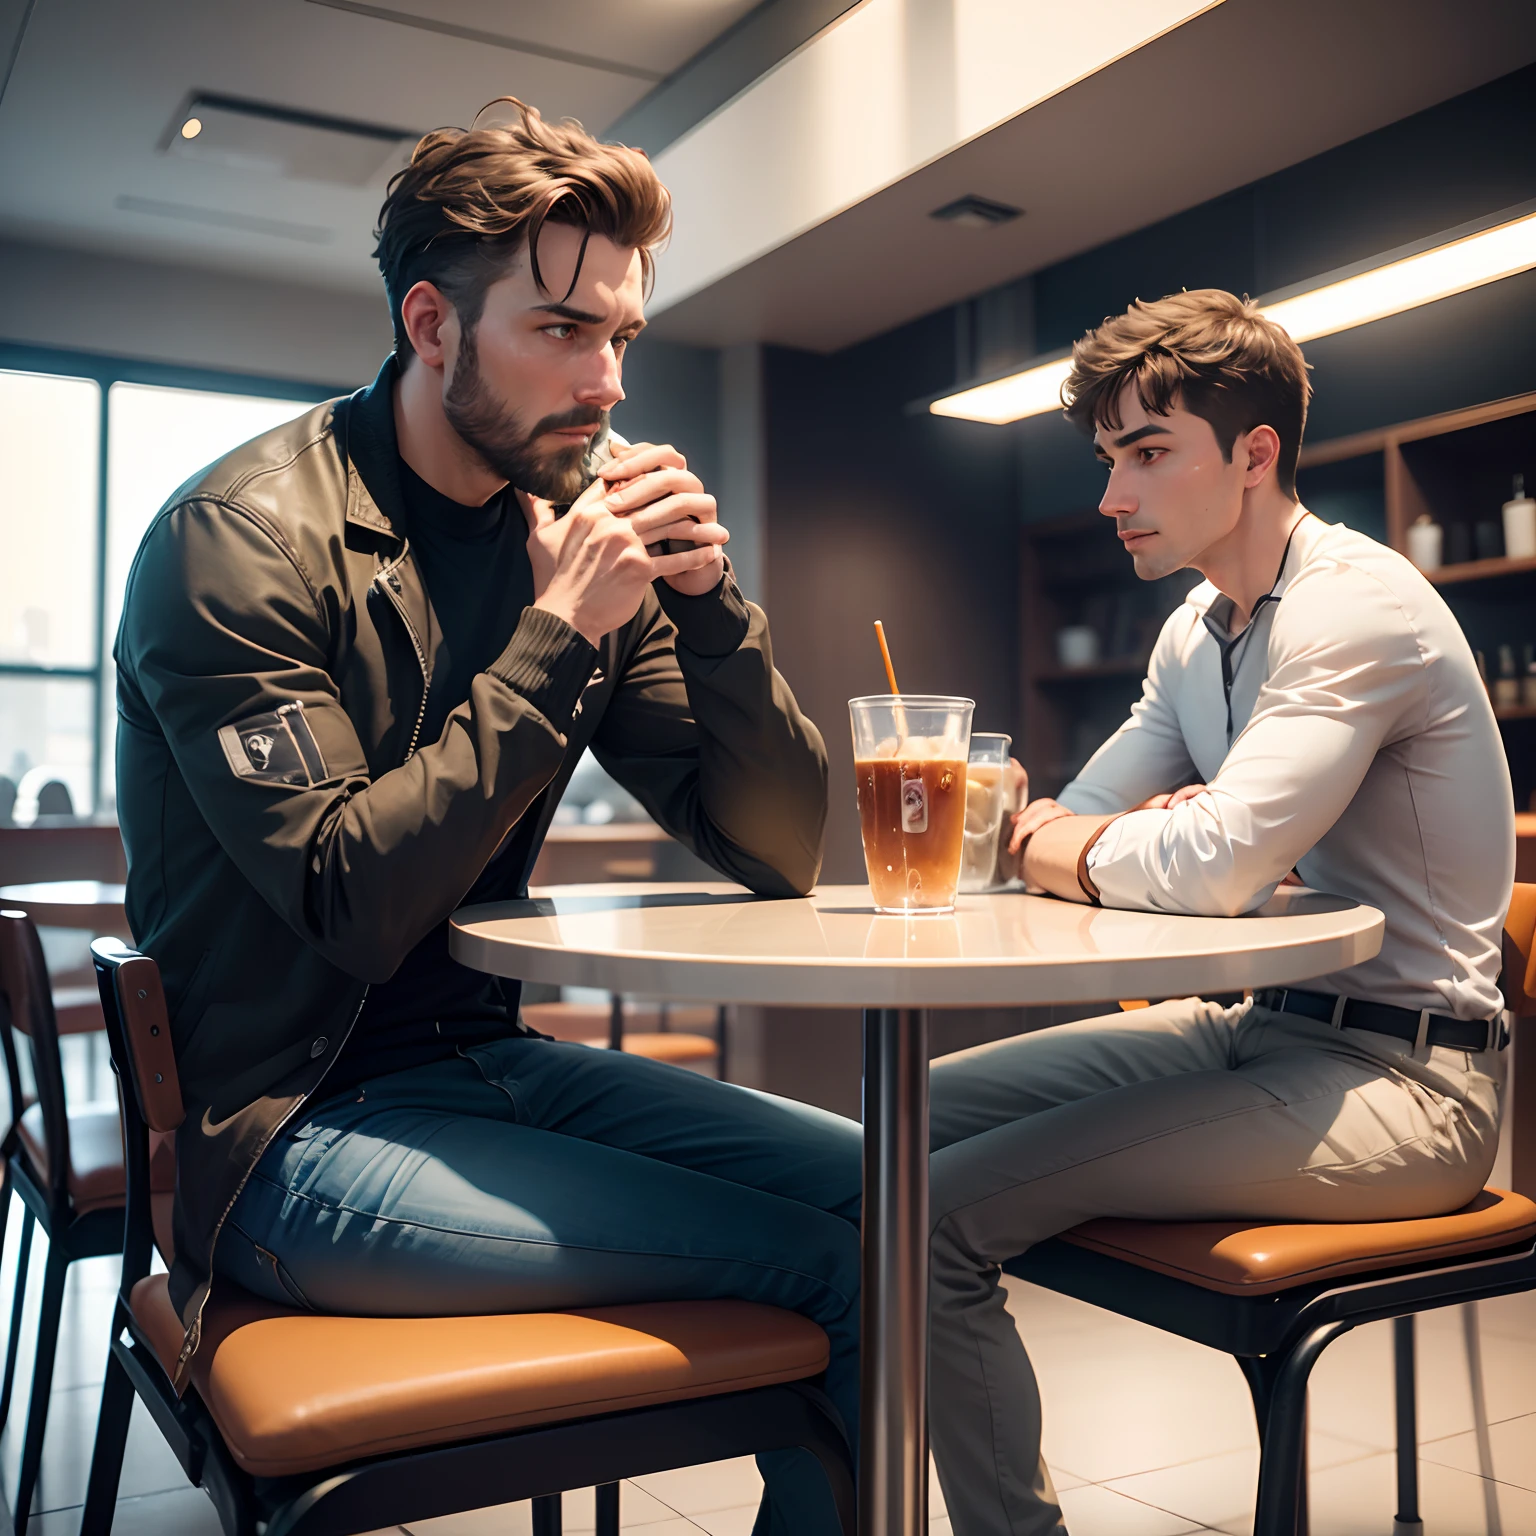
(1208, 351)
(473, 200)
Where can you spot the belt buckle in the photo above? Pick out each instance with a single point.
(1337, 1020)
(1421, 1039)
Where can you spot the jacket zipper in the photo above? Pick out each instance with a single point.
(389, 584)
(194, 1334)
(391, 589)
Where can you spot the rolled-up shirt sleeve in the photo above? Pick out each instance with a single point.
(1147, 755)
(1346, 680)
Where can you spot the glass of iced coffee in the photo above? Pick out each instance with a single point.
(986, 773)
(909, 759)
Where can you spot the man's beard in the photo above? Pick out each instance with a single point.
(497, 436)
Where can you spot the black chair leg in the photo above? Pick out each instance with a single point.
(18, 1301)
(111, 1442)
(54, 1275)
(1405, 1378)
(607, 1510)
(1283, 1460)
(722, 1029)
(546, 1515)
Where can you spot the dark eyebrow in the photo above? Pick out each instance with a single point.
(1139, 433)
(584, 317)
(569, 312)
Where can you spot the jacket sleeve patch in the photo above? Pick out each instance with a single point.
(277, 747)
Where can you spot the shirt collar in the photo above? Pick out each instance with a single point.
(1215, 607)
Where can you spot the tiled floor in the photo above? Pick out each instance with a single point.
(1147, 1435)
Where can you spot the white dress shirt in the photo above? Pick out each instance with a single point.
(1357, 745)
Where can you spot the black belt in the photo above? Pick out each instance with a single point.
(1417, 1025)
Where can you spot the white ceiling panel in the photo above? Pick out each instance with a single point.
(97, 86)
(650, 38)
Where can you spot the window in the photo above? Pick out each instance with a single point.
(90, 449)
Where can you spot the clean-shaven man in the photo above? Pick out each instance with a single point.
(359, 659)
(1314, 707)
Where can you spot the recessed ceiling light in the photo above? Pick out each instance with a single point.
(1437, 273)
(976, 212)
(265, 138)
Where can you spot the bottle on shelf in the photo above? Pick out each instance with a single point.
(1425, 542)
(1528, 681)
(1506, 686)
(1520, 524)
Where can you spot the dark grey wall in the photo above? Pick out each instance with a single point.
(874, 513)
(672, 395)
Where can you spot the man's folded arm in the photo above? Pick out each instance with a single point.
(1328, 707)
(707, 736)
(1147, 755)
(222, 631)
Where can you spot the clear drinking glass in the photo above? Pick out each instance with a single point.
(986, 776)
(909, 759)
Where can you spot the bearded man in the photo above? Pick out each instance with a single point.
(359, 660)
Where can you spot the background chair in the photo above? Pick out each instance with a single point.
(1275, 1296)
(660, 1031)
(67, 1168)
(301, 1425)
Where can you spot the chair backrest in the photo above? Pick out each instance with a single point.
(26, 1009)
(149, 1089)
(1519, 981)
(54, 799)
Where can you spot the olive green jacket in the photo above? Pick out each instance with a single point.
(289, 837)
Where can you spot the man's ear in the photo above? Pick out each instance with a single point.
(432, 324)
(1262, 450)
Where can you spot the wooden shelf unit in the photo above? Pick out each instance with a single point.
(1458, 467)
(1073, 571)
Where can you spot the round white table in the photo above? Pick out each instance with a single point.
(718, 943)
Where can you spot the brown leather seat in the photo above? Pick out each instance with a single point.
(96, 1180)
(95, 1155)
(294, 1392)
(1245, 1258)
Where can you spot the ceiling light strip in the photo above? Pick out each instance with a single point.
(1456, 267)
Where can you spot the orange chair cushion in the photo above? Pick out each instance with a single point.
(295, 1392)
(1245, 1258)
(676, 1048)
(590, 1022)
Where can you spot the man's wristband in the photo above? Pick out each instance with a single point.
(1084, 878)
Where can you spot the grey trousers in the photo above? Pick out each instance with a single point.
(1183, 1111)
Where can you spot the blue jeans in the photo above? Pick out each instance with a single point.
(531, 1175)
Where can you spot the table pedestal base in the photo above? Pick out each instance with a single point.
(893, 1450)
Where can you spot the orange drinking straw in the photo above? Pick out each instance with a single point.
(885, 655)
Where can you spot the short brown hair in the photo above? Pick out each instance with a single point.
(472, 200)
(1207, 350)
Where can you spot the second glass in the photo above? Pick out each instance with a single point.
(909, 759)
(985, 791)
